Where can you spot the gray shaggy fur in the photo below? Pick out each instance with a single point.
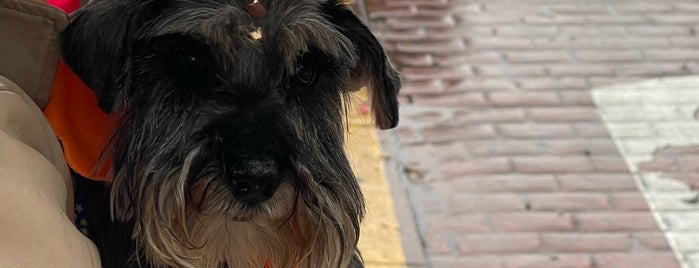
(230, 149)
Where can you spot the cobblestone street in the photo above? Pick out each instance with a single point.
(528, 137)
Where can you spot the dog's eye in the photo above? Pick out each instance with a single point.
(304, 74)
(188, 63)
(187, 68)
(305, 71)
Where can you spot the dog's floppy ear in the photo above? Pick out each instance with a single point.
(96, 45)
(373, 68)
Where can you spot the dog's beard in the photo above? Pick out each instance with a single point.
(285, 230)
(185, 216)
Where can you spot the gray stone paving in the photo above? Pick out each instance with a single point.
(643, 118)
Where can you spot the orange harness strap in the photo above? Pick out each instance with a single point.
(82, 127)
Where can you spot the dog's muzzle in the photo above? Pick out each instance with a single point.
(255, 181)
(254, 152)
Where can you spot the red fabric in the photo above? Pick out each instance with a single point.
(81, 126)
(67, 5)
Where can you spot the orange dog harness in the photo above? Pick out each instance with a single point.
(82, 127)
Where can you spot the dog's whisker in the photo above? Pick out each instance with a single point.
(180, 193)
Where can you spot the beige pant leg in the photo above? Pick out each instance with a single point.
(36, 226)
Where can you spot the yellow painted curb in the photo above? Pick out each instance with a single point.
(380, 241)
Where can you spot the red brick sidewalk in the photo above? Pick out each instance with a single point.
(501, 153)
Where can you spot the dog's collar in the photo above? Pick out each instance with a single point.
(82, 127)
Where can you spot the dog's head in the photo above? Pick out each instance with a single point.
(231, 117)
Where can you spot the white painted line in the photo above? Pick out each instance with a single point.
(642, 118)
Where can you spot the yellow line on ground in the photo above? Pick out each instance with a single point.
(380, 240)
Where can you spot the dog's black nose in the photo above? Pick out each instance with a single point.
(255, 181)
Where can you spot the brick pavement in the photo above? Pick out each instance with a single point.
(501, 159)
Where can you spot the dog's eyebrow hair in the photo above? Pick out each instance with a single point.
(314, 31)
(218, 24)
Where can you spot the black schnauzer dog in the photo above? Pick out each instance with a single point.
(229, 148)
